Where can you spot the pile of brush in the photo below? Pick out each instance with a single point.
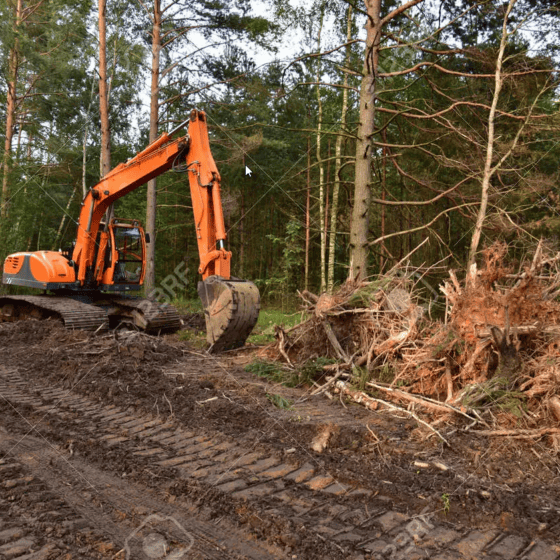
(494, 356)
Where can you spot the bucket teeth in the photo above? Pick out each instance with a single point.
(231, 310)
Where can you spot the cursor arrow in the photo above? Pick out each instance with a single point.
(248, 171)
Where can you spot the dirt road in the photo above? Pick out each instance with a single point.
(138, 447)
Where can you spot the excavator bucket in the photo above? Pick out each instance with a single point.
(231, 310)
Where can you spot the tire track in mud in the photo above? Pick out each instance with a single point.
(96, 501)
(36, 524)
(115, 508)
(298, 510)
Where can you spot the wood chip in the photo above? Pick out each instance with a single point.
(207, 400)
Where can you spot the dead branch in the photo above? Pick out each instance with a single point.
(418, 399)
(328, 384)
(372, 403)
(448, 381)
(306, 296)
(282, 337)
(334, 341)
(519, 434)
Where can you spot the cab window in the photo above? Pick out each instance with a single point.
(130, 255)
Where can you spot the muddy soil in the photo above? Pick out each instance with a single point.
(476, 482)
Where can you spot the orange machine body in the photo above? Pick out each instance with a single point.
(112, 257)
(40, 269)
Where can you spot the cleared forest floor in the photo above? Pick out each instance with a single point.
(108, 442)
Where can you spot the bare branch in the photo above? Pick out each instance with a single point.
(422, 227)
(399, 10)
(462, 74)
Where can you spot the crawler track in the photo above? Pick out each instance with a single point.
(145, 314)
(105, 509)
(148, 315)
(74, 314)
(290, 507)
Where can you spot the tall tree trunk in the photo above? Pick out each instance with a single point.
(150, 279)
(327, 193)
(320, 159)
(10, 112)
(362, 194)
(338, 160)
(488, 169)
(307, 210)
(105, 160)
(383, 249)
(359, 225)
(105, 156)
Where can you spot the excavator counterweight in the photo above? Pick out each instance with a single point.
(90, 283)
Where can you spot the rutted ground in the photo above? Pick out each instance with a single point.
(132, 426)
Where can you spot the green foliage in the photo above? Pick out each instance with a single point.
(385, 373)
(496, 393)
(360, 376)
(270, 370)
(368, 293)
(279, 401)
(278, 373)
(286, 275)
(313, 369)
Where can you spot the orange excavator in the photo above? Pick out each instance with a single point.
(90, 282)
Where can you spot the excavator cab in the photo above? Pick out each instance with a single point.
(129, 249)
(121, 256)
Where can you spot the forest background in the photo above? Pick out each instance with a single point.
(373, 129)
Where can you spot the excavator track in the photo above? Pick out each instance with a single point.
(74, 314)
(149, 315)
(96, 315)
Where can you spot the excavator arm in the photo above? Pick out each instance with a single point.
(157, 158)
(231, 306)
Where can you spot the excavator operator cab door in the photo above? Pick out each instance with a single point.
(128, 255)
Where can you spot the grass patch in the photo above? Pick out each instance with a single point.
(185, 305)
(277, 373)
(263, 333)
(195, 338)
